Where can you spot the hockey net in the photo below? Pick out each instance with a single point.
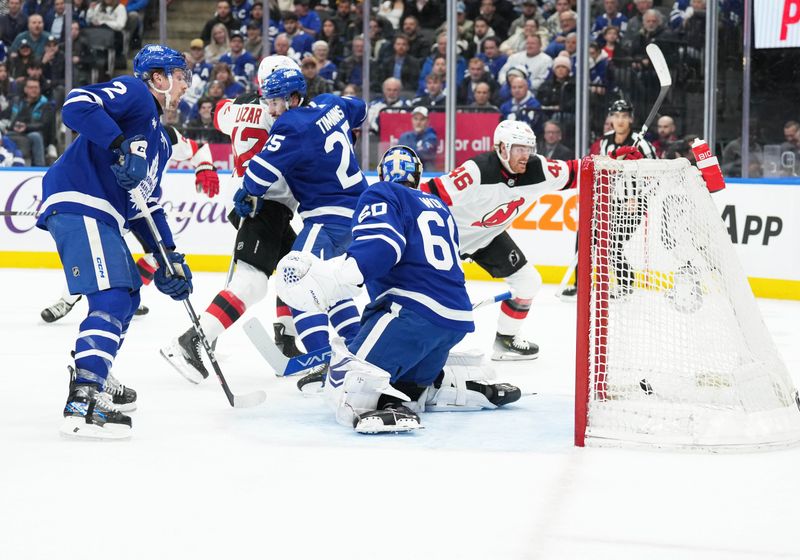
(672, 349)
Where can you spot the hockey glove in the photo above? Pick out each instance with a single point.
(206, 180)
(627, 153)
(179, 286)
(245, 204)
(308, 283)
(132, 166)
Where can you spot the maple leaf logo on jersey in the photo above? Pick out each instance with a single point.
(501, 214)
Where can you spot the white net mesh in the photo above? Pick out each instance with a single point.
(678, 353)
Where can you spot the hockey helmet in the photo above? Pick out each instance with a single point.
(510, 133)
(282, 83)
(400, 164)
(272, 63)
(620, 106)
(159, 57)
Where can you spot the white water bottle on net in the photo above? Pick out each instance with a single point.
(672, 350)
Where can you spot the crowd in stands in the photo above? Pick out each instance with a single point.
(515, 57)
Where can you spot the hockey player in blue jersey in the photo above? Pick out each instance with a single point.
(405, 251)
(310, 147)
(121, 145)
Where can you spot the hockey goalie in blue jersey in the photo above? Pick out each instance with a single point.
(310, 147)
(405, 251)
(121, 145)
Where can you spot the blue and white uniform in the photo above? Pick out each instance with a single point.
(87, 212)
(406, 245)
(310, 147)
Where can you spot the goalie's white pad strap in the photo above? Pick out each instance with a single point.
(453, 394)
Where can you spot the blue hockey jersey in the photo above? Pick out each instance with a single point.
(310, 147)
(406, 245)
(81, 180)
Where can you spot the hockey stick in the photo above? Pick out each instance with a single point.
(231, 268)
(32, 213)
(283, 366)
(567, 275)
(664, 79)
(236, 401)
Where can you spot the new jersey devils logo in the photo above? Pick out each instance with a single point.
(501, 214)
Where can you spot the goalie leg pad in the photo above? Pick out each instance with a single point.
(467, 388)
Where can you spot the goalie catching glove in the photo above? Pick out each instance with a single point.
(308, 283)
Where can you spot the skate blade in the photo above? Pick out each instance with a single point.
(77, 428)
(404, 427)
(512, 357)
(175, 358)
(130, 407)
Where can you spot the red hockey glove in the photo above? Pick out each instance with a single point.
(206, 180)
(627, 153)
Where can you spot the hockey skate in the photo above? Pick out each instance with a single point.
(122, 397)
(88, 415)
(184, 354)
(392, 418)
(569, 293)
(58, 310)
(513, 347)
(314, 381)
(285, 342)
(499, 394)
(141, 310)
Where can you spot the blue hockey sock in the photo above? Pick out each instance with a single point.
(345, 319)
(312, 328)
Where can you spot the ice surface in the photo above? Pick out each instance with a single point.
(200, 480)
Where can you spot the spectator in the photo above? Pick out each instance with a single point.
(611, 16)
(201, 75)
(254, 45)
(34, 36)
(558, 91)
(505, 90)
(434, 96)
(307, 19)
(419, 46)
(569, 22)
(33, 123)
(598, 66)
(554, 21)
(135, 24)
(536, 62)
(219, 45)
(257, 18)
(379, 39)
(20, 63)
(516, 42)
(54, 19)
(79, 10)
(421, 138)
(551, 147)
(464, 27)
(222, 16)
(482, 31)
(351, 90)
(653, 29)
(429, 13)
(497, 22)
(350, 70)
(300, 40)
(215, 92)
(492, 56)
(610, 41)
(348, 22)
(791, 135)
(530, 10)
(330, 35)
(635, 22)
(82, 58)
(10, 155)
(13, 23)
(391, 99)
(242, 63)
(441, 50)
(283, 47)
(732, 156)
(7, 90)
(666, 135)
(392, 11)
(483, 97)
(522, 106)
(53, 64)
(201, 129)
(40, 7)
(223, 74)
(240, 9)
(400, 65)
(315, 85)
(325, 68)
(440, 69)
(477, 74)
(112, 15)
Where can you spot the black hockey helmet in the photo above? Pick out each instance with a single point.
(620, 106)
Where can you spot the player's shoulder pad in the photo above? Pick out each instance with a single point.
(487, 166)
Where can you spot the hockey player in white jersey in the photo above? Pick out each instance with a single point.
(405, 251)
(261, 240)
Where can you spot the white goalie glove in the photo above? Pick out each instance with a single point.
(308, 283)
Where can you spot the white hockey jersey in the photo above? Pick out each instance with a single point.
(485, 198)
(248, 122)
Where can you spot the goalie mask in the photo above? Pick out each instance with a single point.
(513, 133)
(400, 164)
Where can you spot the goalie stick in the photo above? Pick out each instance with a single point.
(664, 79)
(237, 401)
(283, 366)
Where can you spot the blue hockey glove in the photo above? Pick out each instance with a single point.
(245, 204)
(133, 162)
(177, 287)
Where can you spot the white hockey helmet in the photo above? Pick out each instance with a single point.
(514, 132)
(272, 63)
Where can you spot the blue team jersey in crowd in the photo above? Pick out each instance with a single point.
(311, 148)
(81, 180)
(406, 245)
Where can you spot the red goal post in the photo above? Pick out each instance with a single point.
(671, 348)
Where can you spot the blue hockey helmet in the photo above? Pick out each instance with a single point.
(400, 164)
(159, 57)
(282, 83)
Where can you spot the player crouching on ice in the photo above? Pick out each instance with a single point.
(398, 364)
(87, 208)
